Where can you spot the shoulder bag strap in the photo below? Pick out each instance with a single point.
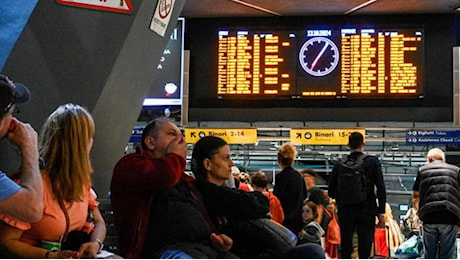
(330, 214)
(66, 214)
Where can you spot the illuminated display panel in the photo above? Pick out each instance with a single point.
(256, 63)
(348, 62)
(167, 86)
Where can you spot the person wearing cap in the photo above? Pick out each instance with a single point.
(24, 199)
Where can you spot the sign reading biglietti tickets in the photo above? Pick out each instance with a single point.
(322, 136)
(230, 135)
(432, 137)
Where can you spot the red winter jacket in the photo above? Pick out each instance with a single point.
(135, 180)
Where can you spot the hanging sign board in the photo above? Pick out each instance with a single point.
(230, 135)
(432, 137)
(117, 6)
(322, 136)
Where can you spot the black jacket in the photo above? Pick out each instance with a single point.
(438, 184)
(290, 190)
(374, 174)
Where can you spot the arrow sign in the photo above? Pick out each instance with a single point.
(118, 6)
(230, 135)
(312, 136)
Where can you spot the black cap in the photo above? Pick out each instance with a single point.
(11, 93)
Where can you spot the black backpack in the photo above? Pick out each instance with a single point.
(352, 180)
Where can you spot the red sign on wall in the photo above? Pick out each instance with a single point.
(118, 6)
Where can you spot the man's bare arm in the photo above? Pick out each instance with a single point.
(27, 203)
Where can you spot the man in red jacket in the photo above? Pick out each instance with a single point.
(157, 209)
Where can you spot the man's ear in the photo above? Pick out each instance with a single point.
(149, 142)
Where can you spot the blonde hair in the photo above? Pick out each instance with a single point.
(286, 154)
(388, 213)
(64, 141)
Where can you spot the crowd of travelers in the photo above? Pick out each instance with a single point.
(48, 208)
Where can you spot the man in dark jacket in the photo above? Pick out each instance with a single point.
(436, 196)
(158, 211)
(360, 217)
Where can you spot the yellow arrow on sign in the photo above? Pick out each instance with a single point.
(322, 136)
(230, 135)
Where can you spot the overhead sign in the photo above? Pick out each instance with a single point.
(431, 137)
(161, 16)
(322, 136)
(118, 6)
(136, 134)
(230, 135)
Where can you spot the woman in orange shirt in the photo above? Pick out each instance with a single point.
(65, 144)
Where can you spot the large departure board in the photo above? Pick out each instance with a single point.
(320, 62)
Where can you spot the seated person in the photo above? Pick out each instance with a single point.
(312, 230)
(65, 144)
(157, 209)
(23, 199)
(212, 165)
(413, 222)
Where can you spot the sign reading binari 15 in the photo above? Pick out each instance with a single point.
(347, 62)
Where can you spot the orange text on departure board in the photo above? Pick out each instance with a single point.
(253, 64)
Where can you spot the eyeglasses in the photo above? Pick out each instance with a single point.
(15, 111)
(7, 108)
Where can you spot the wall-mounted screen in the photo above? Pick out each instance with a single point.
(168, 83)
(352, 62)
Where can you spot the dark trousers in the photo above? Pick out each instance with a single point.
(354, 219)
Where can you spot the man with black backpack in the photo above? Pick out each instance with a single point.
(352, 184)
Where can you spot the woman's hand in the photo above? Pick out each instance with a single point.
(89, 249)
(221, 241)
(64, 254)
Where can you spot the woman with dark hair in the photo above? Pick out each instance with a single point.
(212, 166)
(229, 208)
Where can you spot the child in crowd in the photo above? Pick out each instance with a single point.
(312, 231)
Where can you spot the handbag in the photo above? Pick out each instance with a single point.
(381, 242)
(260, 238)
(333, 229)
(74, 239)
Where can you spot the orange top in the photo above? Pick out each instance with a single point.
(276, 210)
(52, 225)
(244, 186)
